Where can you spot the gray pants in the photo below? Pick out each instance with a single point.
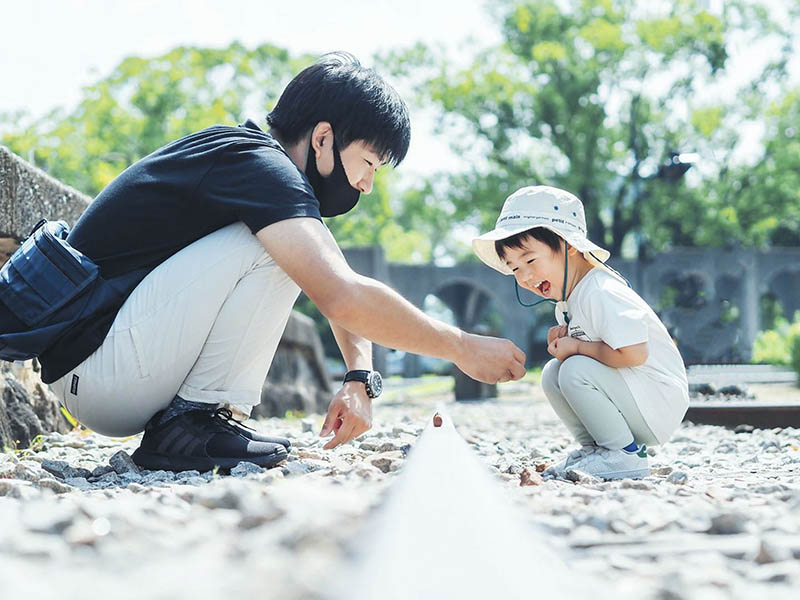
(204, 324)
(594, 402)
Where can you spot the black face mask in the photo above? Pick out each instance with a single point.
(335, 194)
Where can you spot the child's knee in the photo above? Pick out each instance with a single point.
(550, 376)
(573, 370)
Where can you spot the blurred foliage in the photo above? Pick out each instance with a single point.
(594, 95)
(779, 346)
(146, 103)
(794, 354)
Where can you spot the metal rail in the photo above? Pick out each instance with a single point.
(762, 415)
(447, 530)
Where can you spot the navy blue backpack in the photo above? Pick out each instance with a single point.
(45, 287)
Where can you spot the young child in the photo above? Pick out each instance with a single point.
(617, 380)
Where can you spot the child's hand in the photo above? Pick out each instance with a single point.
(564, 347)
(556, 332)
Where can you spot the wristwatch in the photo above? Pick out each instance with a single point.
(372, 380)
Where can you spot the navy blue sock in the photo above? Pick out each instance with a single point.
(632, 447)
(179, 406)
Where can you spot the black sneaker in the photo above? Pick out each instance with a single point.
(201, 440)
(248, 432)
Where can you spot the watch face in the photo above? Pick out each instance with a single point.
(375, 384)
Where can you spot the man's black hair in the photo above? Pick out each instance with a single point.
(547, 237)
(356, 101)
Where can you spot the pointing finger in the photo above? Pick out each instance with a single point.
(331, 420)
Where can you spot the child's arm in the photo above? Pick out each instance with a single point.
(626, 356)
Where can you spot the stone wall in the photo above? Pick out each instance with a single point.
(27, 194)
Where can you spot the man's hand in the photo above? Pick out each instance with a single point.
(564, 347)
(349, 414)
(491, 360)
(556, 332)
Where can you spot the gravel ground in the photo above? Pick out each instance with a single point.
(719, 517)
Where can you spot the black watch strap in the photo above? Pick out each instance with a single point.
(361, 375)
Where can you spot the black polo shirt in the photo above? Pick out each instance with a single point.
(169, 199)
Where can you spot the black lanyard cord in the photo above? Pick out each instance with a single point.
(563, 290)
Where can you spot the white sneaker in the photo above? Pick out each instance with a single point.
(615, 464)
(560, 469)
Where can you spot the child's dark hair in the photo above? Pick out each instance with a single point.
(547, 237)
(355, 100)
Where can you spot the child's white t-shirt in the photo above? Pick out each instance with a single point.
(603, 308)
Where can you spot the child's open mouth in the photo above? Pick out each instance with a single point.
(543, 287)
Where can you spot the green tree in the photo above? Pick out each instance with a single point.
(593, 96)
(145, 103)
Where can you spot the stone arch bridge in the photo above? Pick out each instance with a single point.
(710, 299)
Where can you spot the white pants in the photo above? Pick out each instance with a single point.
(594, 402)
(204, 325)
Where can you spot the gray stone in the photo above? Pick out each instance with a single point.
(243, 469)
(109, 479)
(390, 446)
(578, 476)
(79, 482)
(64, 470)
(54, 484)
(151, 477)
(121, 462)
(678, 477)
(367, 472)
(371, 444)
(101, 470)
(386, 461)
(28, 471)
(194, 481)
(728, 524)
(295, 468)
(307, 425)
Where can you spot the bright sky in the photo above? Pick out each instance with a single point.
(50, 49)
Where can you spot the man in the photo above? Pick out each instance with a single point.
(206, 244)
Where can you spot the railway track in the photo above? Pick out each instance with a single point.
(732, 413)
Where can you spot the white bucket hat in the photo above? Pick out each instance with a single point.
(541, 206)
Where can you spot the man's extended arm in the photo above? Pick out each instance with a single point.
(305, 250)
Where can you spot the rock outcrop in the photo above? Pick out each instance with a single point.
(27, 406)
(298, 379)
